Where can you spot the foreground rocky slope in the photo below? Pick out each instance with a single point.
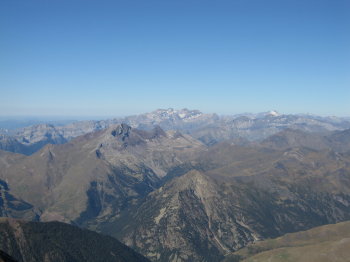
(321, 244)
(54, 241)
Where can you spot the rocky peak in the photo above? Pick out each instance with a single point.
(122, 130)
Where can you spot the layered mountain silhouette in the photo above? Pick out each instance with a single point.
(208, 128)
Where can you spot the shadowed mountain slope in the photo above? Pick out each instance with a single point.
(10, 206)
(6, 258)
(59, 242)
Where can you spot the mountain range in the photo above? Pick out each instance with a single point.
(182, 185)
(208, 128)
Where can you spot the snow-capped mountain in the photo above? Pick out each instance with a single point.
(208, 128)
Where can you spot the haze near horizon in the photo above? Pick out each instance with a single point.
(112, 58)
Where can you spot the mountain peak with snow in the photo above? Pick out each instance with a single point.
(173, 113)
(273, 113)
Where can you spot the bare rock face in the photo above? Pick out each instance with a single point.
(188, 220)
(54, 241)
(183, 221)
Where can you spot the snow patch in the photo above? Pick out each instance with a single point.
(182, 115)
(274, 113)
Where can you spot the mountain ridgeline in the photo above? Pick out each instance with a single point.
(184, 186)
(208, 128)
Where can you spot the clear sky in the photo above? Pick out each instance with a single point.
(111, 58)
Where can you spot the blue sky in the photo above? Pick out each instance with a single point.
(111, 58)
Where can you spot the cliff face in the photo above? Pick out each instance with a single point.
(54, 241)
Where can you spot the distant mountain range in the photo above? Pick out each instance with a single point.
(181, 185)
(208, 128)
